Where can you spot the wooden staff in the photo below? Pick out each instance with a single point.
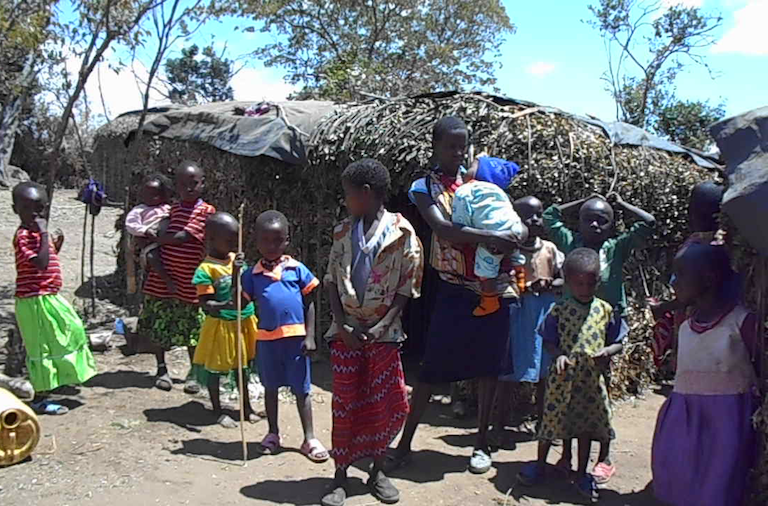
(240, 382)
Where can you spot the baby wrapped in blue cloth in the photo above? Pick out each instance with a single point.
(482, 203)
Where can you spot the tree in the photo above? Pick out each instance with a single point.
(343, 49)
(101, 23)
(196, 77)
(687, 123)
(24, 27)
(648, 45)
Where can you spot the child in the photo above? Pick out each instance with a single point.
(374, 268)
(216, 353)
(705, 442)
(482, 203)
(58, 351)
(280, 286)
(528, 360)
(596, 222)
(173, 318)
(146, 222)
(703, 208)
(583, 332)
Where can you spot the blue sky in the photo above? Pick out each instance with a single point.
(553, 58)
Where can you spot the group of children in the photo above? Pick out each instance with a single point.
(570, 320)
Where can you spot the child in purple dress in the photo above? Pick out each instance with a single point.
(704, 445)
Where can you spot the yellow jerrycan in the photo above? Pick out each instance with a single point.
(19, 429)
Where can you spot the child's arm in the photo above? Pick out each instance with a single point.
(644, 216)
(614, 340)
(172, 239)
(59, 241)
(41, 260)
(505, 242)
(133, 224)
(576, 204)
(376, 332)
(309, 344)
(352, 338)
(237, 276)
(211, 306)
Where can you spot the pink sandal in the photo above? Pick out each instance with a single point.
(315, 451)
(603, 472)
(270, 444)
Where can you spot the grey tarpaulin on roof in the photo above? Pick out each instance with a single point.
(280, 133)
(743, 141)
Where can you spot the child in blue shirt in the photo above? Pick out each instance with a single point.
(280, 286)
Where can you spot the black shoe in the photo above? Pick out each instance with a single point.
(383, 489)
(336, 497)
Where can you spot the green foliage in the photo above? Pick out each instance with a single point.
(343, 49)
(648, 45)
(198, 77)
(688, 123)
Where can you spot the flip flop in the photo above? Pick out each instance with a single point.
(603, 472)
(336, 497)
(315, 451)
(383, 489)
(49, 408)
(226, 422)
(270, 444)
(191, 386)
(481, 461)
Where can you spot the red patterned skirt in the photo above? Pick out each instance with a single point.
(370, 401)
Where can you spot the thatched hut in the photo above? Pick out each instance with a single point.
(562, 156)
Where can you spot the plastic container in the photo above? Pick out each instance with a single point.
(19, 429)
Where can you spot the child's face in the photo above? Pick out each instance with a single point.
(359, 201)
(223, 240)
(690, 282)
(189, 184)
(582, 285)
(152, 194)
(450, 150)
(31, 206)
(595, 222)
(272, 241)
(531, 211)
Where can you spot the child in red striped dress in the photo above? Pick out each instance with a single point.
(171, 316)
(53, 334)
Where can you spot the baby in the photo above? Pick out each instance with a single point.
(147, 221)
(482, 203)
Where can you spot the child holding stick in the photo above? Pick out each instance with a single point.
(375, 267)
(216, 354)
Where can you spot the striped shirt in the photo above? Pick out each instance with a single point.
(31, 281)
(182, 260)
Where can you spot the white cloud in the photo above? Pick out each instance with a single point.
(122, 90)
(748, 33)
(260, 84)
(540, 68)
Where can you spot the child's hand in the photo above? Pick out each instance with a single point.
(562, 364)
(351, 337)
(308, 346)
(239, 261)
(151, 235)
(541, 286)
(40, 225)
(615, 197)
(602, 358)
(212, 308)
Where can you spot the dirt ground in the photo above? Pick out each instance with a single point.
(125, 443)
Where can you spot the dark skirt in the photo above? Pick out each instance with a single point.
(462, 346)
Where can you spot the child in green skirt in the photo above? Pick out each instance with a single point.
(53, 334)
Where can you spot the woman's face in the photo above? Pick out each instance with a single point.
(450, 150)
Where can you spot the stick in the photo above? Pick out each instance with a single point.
(93, 278)
(82, 251)
(240, 382)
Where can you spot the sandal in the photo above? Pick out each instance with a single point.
(587, 488)
(315, 451)
(531, 475)
(226, 422)
(164, 383)
(336, 497)
(383, 489)
(191, 386)
(603, 472)
(49, 408)
(481, 462)
(270, 445)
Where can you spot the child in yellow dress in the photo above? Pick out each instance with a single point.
(216, 353)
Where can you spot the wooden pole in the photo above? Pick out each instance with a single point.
(82, 251)
(241, 383)
(93, 278)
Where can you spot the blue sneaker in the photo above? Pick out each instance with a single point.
(587, 488)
